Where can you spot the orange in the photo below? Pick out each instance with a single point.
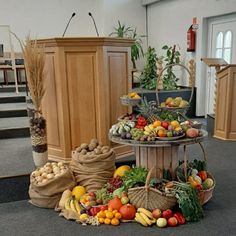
(102, 214)
(175, 123)
(118, 215)
(115, 221)
(114, 211)
(162, 133)
(156, 123)
(101, 220)
(107, 221)
(109, 209)
(109, 215)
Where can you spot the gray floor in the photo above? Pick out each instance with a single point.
(15, 157)
(22, 219)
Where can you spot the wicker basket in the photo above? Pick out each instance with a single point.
(150, 198)
(177, 109)
(204, 195)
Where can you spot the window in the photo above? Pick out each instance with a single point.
(224, 45)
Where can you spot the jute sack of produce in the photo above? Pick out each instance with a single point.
(48, 194)
(93, 171)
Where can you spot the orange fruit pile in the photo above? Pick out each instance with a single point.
(109, 217)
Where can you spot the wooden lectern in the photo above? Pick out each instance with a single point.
(84, 81)
(225, 119)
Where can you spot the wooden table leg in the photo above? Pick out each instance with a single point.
(161, 157)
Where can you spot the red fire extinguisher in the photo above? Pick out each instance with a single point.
(191, 39)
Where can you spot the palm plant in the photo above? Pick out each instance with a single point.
(128, 32)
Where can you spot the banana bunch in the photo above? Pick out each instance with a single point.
(150, 130)
(72, 204)
(122, 126)
(144, 217)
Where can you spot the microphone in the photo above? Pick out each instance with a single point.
(90, 14)
(73, 14)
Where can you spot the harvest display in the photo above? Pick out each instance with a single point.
(130, 193)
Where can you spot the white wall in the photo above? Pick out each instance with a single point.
(48, 18)
(168, 22)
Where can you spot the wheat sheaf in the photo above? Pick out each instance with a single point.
(34, 59)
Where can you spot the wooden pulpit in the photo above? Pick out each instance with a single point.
(85, 78)
(225, 117)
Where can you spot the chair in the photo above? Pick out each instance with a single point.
(10, 60)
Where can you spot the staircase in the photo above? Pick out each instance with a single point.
(15, 148)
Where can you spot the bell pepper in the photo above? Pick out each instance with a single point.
(180, 218)
(202, 174)
(141, 121)
(194, 183)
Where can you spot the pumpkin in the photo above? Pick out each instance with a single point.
(115, 203)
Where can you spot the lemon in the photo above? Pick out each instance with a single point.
(121, 171)
(78, 191)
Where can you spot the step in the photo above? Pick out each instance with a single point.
(13, 127)
(16, 157)
(12, 97)
(14, 188)
(12, 88)
(13, 109)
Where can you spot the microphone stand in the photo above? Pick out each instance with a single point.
(68, 24)
(90, 14)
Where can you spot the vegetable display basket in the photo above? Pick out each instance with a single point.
(177, 109)
(126, 101)
(150, 198)
(203, 195)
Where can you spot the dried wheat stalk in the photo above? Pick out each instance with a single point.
(34, 59)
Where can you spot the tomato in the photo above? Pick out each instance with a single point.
(172, 221)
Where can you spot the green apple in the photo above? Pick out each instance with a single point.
(161, 222)
(124, 200)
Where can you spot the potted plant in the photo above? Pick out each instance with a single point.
(148, 76)
(121, 31)
(169, 87)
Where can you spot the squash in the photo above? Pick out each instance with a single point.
(65, 195)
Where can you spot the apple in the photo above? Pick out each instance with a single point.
(167, 213)
(92, 194)
(124, 200)
(165, 124)
(172, 221)
(156, 213)
(161, 222)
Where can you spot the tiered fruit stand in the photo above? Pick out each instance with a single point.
(161, 154)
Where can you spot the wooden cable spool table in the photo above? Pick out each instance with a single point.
(159, 153)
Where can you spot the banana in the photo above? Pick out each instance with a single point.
(72, 205)
(148, 221)
(140, 219)
(77, 206)
(146, 212)
(67, 204)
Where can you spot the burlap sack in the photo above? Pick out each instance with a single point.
(93, 171)
(48, 195)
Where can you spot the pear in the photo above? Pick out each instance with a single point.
(183, 103)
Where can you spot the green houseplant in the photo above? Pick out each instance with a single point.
(121, 31)
(172, 57)
(149, 74)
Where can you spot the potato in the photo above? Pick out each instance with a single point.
(83, 152)
(94, 140)
(78, 149)
(91, 147)
(97, 151)
(84, 146)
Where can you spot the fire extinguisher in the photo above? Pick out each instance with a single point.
(191, 35)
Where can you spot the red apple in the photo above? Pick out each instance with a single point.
(172, 221)
(165, 124)
(167, 213)
(156, 213)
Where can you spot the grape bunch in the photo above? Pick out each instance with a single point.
(114, 184)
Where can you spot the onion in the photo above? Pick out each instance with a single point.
(44, 175)
(39, 178)
(50, 176)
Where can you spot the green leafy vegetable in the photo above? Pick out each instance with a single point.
(136, 176)
(188, 201)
